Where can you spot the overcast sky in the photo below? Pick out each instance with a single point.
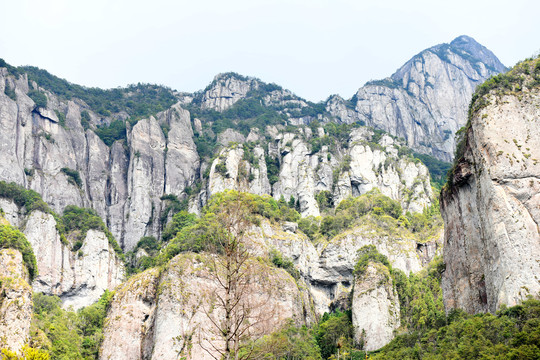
(313, 47)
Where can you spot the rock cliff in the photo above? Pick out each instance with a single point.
(490, 206)
(79, 277)
(361, 163)
(164, 315)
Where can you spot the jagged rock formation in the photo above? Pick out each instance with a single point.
(352, 170)
(123, 186)
(491, 205)
(375, 307)
(426, 100)
(78, 278)
(327, 268)
(15, 300)
(163, 315)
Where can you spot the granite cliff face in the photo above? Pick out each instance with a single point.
(375, 307)
(48, 147)
(491, 205)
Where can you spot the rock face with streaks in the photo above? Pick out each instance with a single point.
(78, 278)
(122, 182)
(491, 205)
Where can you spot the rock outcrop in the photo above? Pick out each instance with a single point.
(327, 268)
(166, 315)
(375, 307)
(363, 163)
(78, 278)
(15, 301)
(123, 182)
(491, 205)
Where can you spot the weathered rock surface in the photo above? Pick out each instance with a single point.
(375, 307)
(362, 165)
(426, 100)
(143, 325)
(491, 211)
(328, 267)
(15, 301)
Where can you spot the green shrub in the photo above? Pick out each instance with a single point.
(85, 120)
(38, 97)
(81, 220)
(68, 334)
(115, 131)
(73, 176)
(23, 198)
(283, 262)
(12, 238)
(367, 254)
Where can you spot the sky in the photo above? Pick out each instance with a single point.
(314, 48)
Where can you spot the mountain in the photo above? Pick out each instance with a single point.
(329, 208)
(426, 100)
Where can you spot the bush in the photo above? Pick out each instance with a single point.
(38, 97)
(67, 334)
(73, 176)
(12, 238)
(82, 219)
(29, 199)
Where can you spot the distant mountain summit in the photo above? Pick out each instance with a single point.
(426, 100)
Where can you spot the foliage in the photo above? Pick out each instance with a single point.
(115, 131)
(27, 353)
(80, 220)
(290, 342)
(283, 262)
(85, 120)
(23, 198)
(141, 100)
(73, 176)
(335, 331)
(67, 334)
(512, 333)
(38, 97)
(437, 168)
(12, 238)
(173, 206)
(179, 221)
(367, 254)
(10, 92)
(272, 169)
(190, 235)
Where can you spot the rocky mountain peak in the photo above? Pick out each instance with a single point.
(478, 51)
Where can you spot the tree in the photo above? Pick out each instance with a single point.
(236, 312)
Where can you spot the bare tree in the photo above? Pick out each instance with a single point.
(236, 309)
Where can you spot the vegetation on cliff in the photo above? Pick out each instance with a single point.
(66, 334)
(12, 238)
